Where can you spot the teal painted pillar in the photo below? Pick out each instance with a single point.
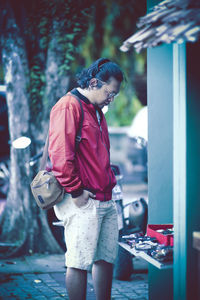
(179, 171)
(186, 168)
(173, 79)
(160, 128)
(160, 155)
(193, 163)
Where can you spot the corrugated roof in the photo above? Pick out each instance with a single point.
(169, 21)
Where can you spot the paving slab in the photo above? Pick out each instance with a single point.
(37, 263)
(42, 277)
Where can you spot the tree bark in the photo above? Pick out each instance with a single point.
(56, 84)
(22, 223)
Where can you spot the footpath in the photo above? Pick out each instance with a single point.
(42, 277)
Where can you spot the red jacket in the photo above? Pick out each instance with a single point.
(88, 167)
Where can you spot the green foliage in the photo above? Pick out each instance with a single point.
(111, 23)
(36, 89)
(71, 17)
(60, 21)
(122, 110)
(1, 74)
(83, 31)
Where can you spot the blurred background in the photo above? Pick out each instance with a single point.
(44, 44)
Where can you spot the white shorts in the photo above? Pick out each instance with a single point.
(91, 232)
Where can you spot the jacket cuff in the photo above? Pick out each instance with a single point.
(77, 193)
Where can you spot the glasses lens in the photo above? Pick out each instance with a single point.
(110, 95)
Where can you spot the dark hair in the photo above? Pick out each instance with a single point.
(101, 69)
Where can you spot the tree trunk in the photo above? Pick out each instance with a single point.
(22, 223)
(56, 84)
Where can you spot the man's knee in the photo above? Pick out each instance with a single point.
(102, 262)
(75, 270)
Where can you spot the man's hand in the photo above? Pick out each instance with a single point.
(83, 199)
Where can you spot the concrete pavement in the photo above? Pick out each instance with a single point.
(43, 277)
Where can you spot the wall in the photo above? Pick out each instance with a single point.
(160, 155)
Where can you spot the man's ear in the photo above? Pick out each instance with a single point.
(93, 82)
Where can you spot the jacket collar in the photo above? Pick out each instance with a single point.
(76, 93)
(80, 96)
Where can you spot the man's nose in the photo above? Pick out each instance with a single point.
(111, 99)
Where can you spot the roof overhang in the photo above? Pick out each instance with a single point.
(169, 21)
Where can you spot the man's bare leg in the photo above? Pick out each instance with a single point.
(102, 279)
(76, 283)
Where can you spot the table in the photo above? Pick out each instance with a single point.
(146, 257)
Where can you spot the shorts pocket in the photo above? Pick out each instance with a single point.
(87, 205)
(67, 220)
(64, 209)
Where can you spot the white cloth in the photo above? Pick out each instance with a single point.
(91, 232)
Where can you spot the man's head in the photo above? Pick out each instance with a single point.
(102, 81)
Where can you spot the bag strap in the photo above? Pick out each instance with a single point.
(78, 137)
(77, 140)
(44, 158)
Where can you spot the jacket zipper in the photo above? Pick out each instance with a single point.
(99, 123)
(47, 182)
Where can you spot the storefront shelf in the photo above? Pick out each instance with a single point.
(146, 257)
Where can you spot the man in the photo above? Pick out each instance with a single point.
(88, 211)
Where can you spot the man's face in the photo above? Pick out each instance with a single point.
(107, 92)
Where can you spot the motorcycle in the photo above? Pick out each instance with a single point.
(136, 222)
(138, 209)
(4, 178)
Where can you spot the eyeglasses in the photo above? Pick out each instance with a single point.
(110, 94)
(113, 94)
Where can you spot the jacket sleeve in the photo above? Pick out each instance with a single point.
(64, 123)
